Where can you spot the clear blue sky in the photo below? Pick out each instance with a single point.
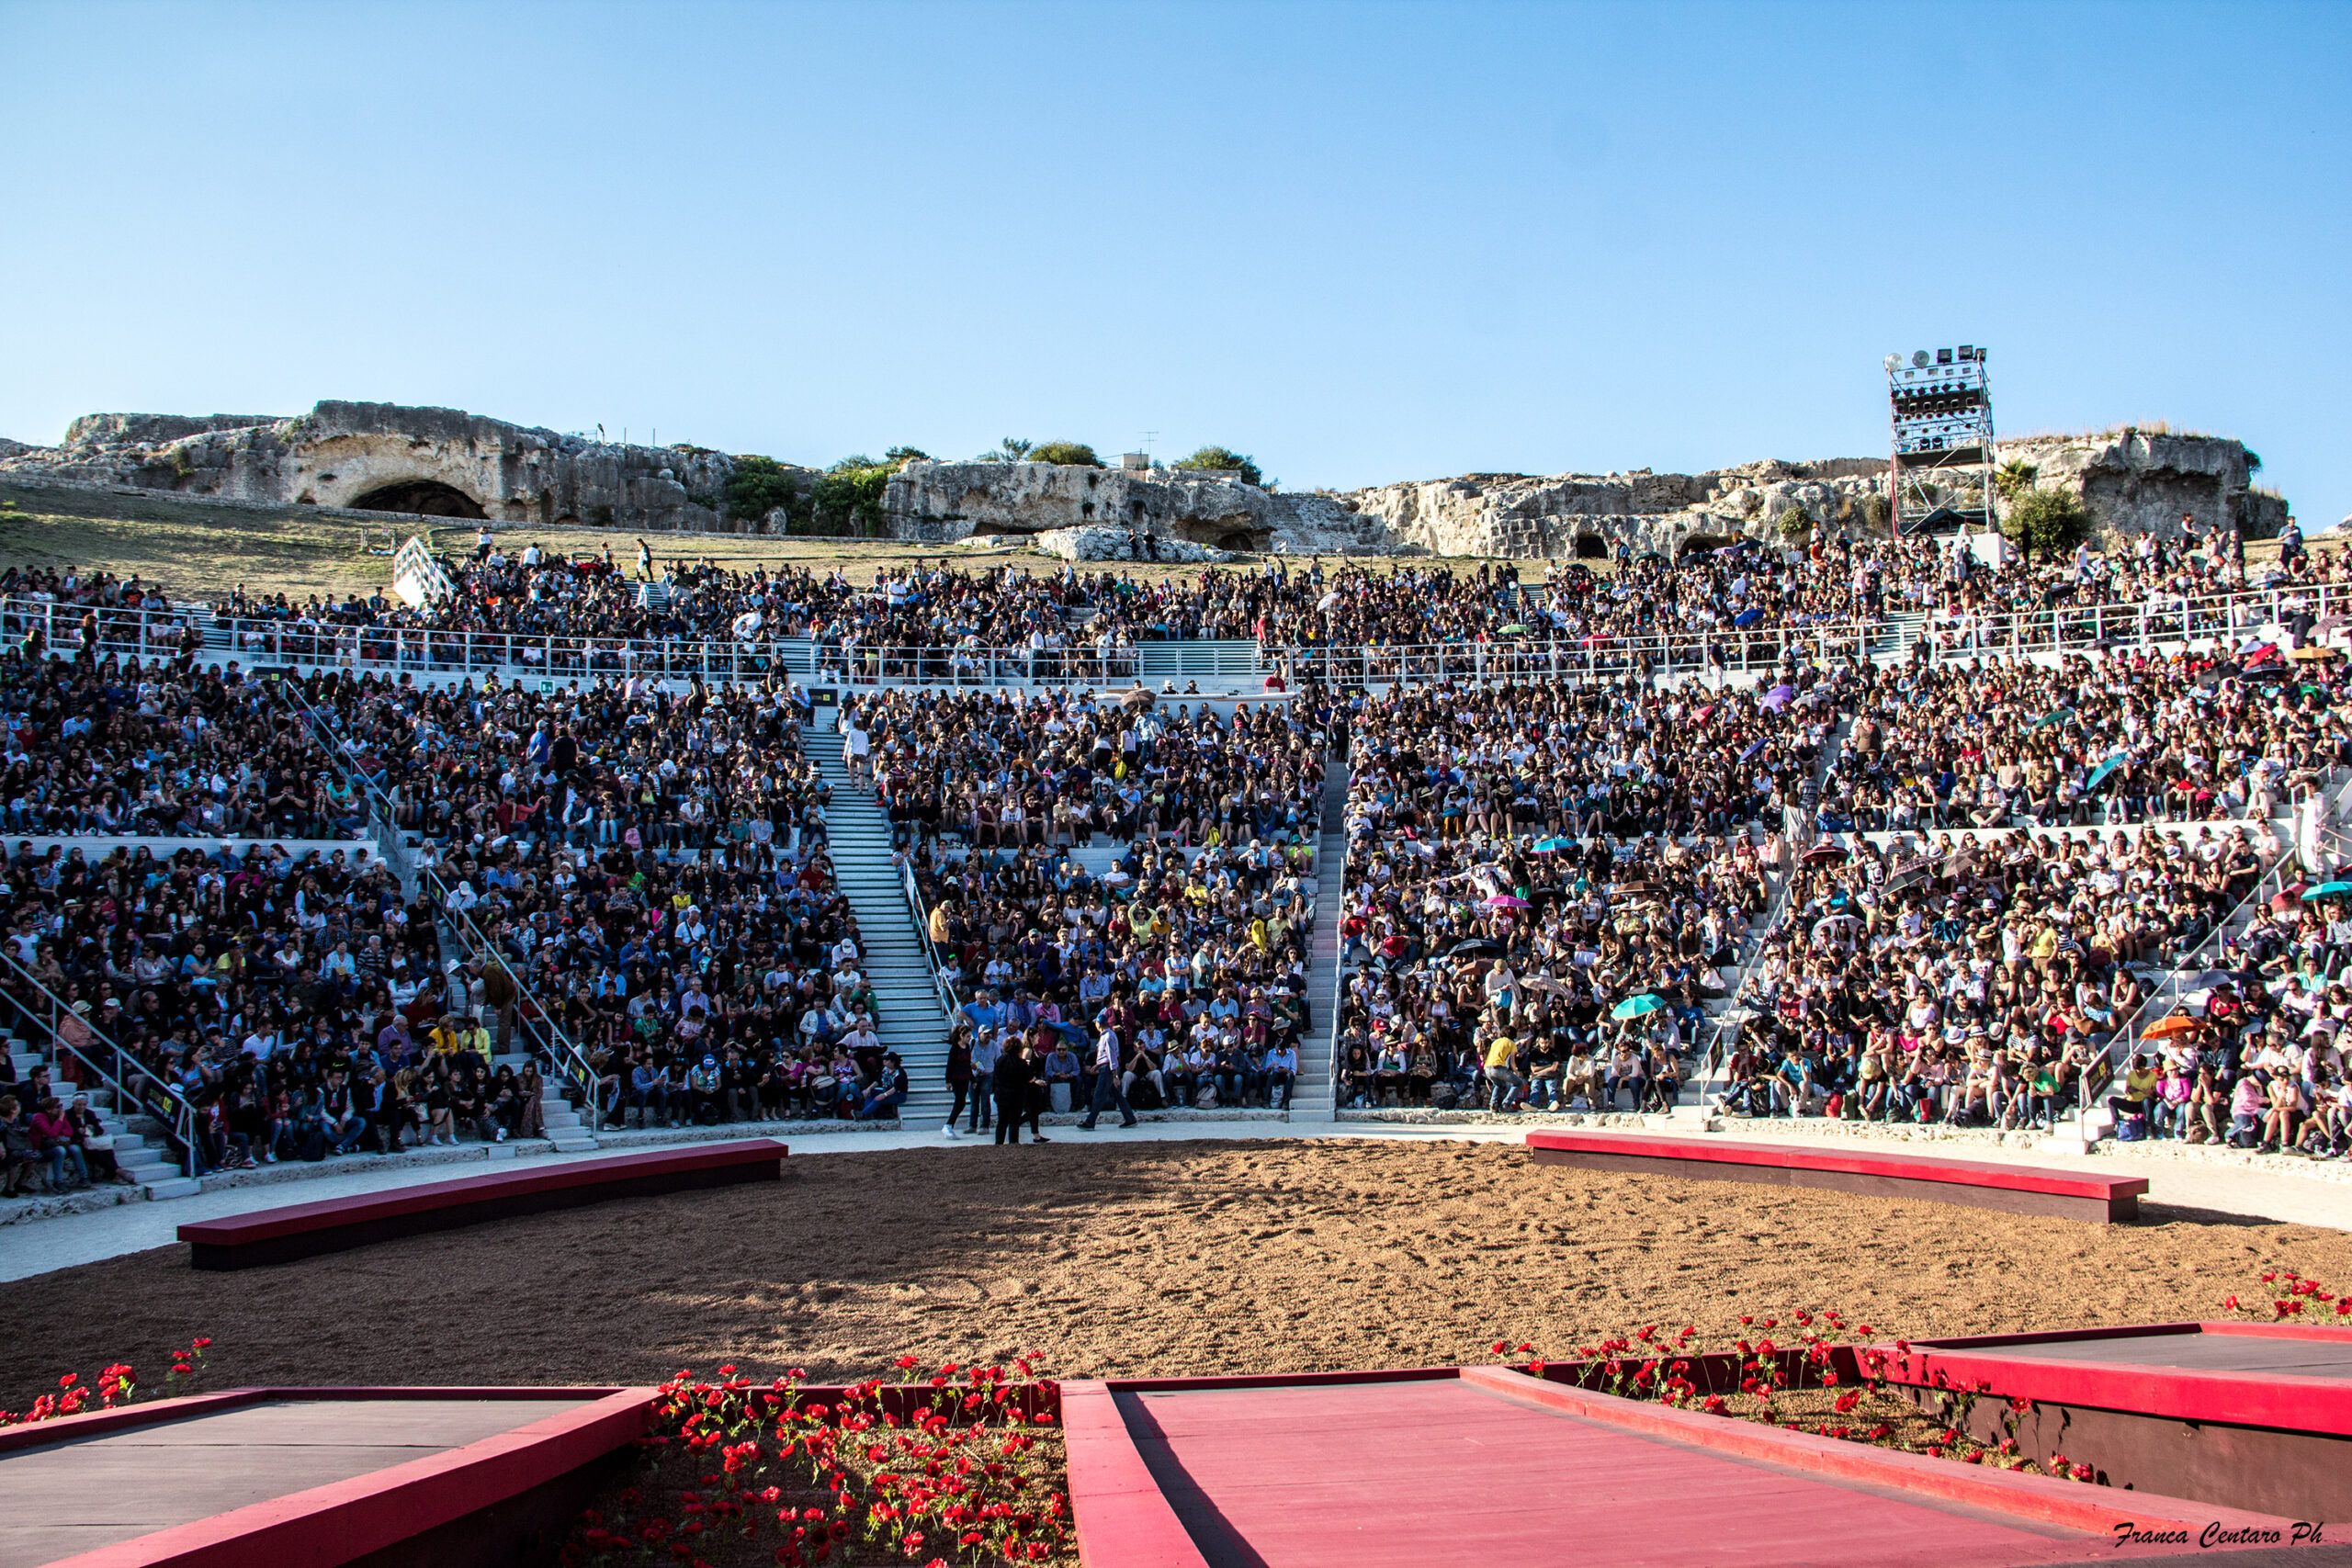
(1363, 242)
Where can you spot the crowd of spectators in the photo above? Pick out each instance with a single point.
(1189, 964)
(2122, 736)
(650, 872)
(1011, 768)
(116, 746)
(1524, 860)
(1972, 982)
(2253, 1056)
(258, 987)
(1177, 977)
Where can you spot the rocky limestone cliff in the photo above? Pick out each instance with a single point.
(942, 502)
(2130, 481)
(386, 457)
(442, 462)
(2137, 481)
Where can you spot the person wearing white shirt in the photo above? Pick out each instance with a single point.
(1108, 1089)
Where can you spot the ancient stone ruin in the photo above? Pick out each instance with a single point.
(443, 463)
(386, 457)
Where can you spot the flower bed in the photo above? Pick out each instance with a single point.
(1820, 1376)
(961, 1465)
(2287, 1297)
(117, 1385)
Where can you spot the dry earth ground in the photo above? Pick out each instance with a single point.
(1175, 1258)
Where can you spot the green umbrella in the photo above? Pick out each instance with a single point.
(1514, 628)
(1637, 1007)
(2053, 717)
(2327, 890)
(1554, 846)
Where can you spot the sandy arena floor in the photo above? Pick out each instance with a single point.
(1174, 1257)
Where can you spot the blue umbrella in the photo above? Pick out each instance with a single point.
(2327, 890)
(1747, 618)
(2114, 759)
(1637, 1007)
(1554, 846)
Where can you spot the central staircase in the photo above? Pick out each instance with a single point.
(898, 958)
(1317, 1096)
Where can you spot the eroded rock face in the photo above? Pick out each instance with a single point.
(1593, 514)
(385, 457)
(2136, 481)
(2131, 482)
(941, 502)
(951, 500)
(1094, 542)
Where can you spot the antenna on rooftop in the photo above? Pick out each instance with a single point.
(1149, 437)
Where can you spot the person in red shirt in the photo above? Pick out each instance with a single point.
(59, 1145)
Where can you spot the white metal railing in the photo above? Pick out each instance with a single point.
(152, 632)
(950, 1004)
(2101, 1069)
(138, 1090)
(564, 1056)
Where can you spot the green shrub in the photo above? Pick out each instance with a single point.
(758, 486)
(1072, 453)
(2045, 522)
(848, 498)
(1226, 458)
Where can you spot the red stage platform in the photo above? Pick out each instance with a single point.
(337, 1224)
(450, 1477)
(1486, 1466)
(2260, 1414)
(1981, 1184)
(1491, 1467)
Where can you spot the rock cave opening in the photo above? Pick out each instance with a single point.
(1591, 547)
(429, 498)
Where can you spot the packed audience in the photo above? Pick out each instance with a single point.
(1525, 859)
(111, 746)
(1552, 893)
(650, 871)
(2122, 736)
(1010, 768)
(1976, 982)
(266, 991)
(1188, 955)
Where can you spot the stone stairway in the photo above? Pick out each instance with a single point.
(1318, 1094)
(567, 1125)
(1897, 633)
(570, 1128)
(898, 957)
(1719, 1029)
(141, 1153)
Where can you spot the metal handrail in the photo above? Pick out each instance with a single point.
(564, 1055)
(146, 632)
(1337, 911)
(2100, 1070)
(950, 1004)
(167, 1103)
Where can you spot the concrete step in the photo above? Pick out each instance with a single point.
(178, 1187)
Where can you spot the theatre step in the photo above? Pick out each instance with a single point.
(140, 1155)
(1317, 1096)
(898, 957)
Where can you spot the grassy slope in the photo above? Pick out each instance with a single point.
(201, 551)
